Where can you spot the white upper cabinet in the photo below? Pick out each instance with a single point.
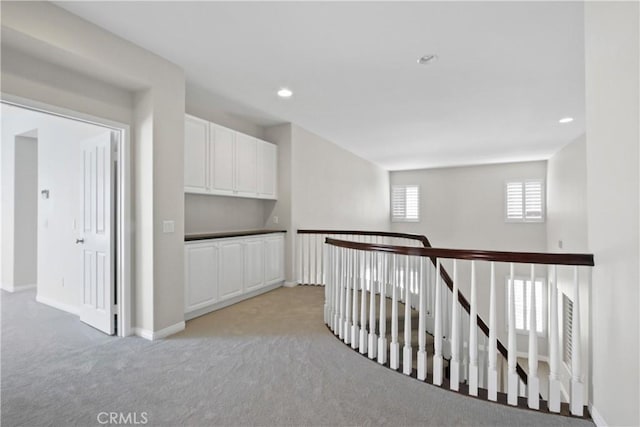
(224, 162)
(246, 165)
(221, 159)
(267, 170)
(196, 148)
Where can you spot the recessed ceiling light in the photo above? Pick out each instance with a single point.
(565, 120)
(427, 59)
(285, 93)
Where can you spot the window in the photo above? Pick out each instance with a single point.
(524, 201)
(405, 203)
(522, 293)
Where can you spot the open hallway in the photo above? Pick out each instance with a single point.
(265, 361)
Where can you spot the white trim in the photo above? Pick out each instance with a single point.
(162, 333)
(597, 418)
(21, 288)
(290, 284)
(58, 305)
(124, 230)
(9, 287)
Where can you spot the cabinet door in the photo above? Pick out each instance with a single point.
(246, 166)
(253, 264)
(222, 160)
(196, 134)
(201, 275)
(267, 170)
(231, 269)
(274, 258)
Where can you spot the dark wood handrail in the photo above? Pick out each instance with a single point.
(471, 254)
(419, 237)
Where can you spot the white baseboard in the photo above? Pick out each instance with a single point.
(10, 287)
(59, 305)
(597, 418)
(290, 284)
(162, 333)
(21, 288)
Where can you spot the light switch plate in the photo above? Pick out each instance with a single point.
(168, 226)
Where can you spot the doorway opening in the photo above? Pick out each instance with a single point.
(66, 212)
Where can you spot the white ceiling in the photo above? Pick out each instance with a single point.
(507, 71)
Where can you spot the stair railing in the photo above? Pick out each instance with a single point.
(361, 267)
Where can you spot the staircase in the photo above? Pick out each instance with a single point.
(381, 284)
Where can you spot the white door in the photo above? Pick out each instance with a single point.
(96, 232)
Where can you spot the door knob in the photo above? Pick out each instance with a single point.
(79, 241)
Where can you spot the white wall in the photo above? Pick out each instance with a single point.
(323, 186)
(335, 189)
(567, 223)
(206, 214)
(26, 212)
(281, 135)
(45, 30)
(463, 207)
(612, 98)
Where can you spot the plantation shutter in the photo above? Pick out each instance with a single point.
(405, 203)
(524, 201)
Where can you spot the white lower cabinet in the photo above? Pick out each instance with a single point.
(201, 267)
(221, 271)
(274, 258)
(254, 264)
(231, 269)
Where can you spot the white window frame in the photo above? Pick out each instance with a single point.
(404, 218)
(524, 217)
(543, 299)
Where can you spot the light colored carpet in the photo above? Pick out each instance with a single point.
(268, 361)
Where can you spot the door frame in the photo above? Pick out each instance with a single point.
(123, 209)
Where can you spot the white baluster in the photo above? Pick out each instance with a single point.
(407, 359)
(336, 290)
(492, 375)
(308, 262)
(437, 330)
(422, 295)
(577, 388)
(455, 333)
(533, 384)
(512, 378)
(363, 305)
(554, 378)
(347, 303)
(317, 261)
(342, 285)
(395, 346)
(357, 274)
(299, 258)
(384, 280)
(473, 335)
(373, 338)
(326, 287)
